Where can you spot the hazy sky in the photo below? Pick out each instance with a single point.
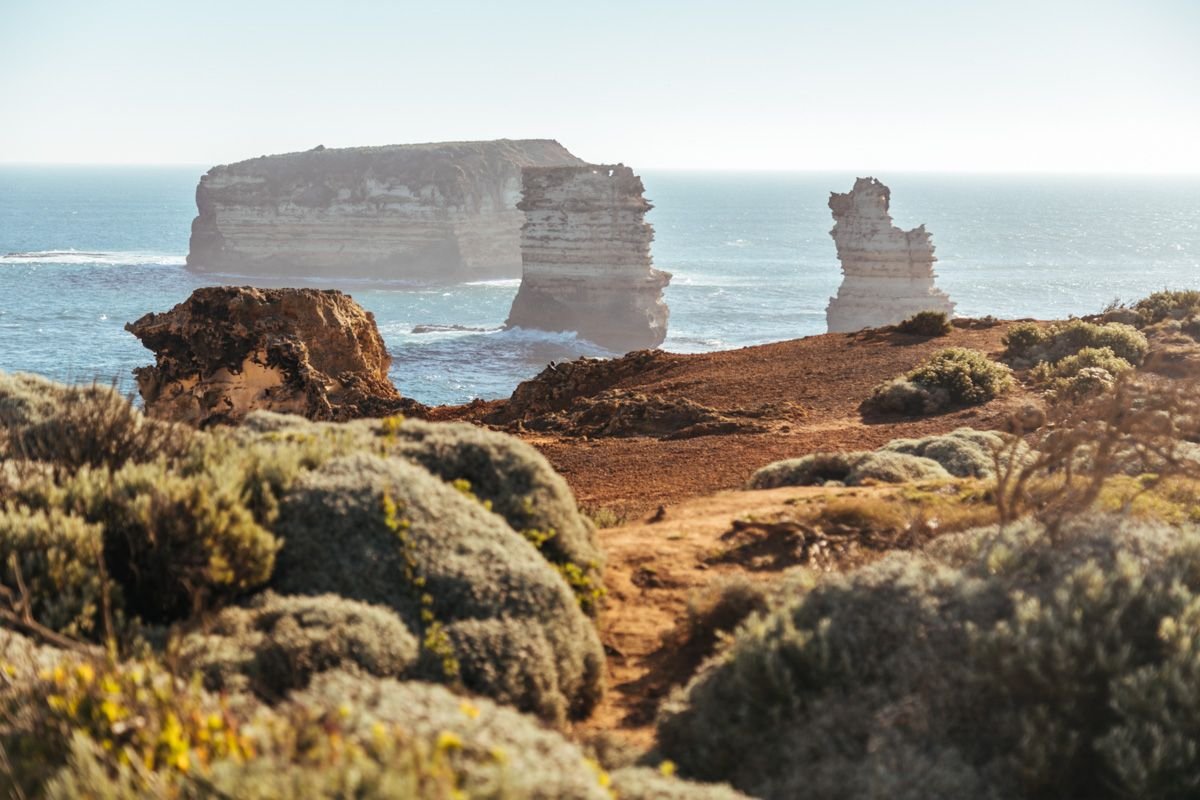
(1094, 85)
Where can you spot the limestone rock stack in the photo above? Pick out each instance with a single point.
(585, 247)
(443, 211)
(230, 350)
(888, 272)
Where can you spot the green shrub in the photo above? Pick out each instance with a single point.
(952, 377)
(503, 473)
(488, 608)
(175, 544)
(643, 783)
(964, 453)
(275, 644)
(1007, 664)
(851, 469)
(1090, 371)
(720, 607)
(77, 426)
(56, 559)
(1178, 304)
(968, 376)
(516, 482)
(927, 323)
(1028, 344)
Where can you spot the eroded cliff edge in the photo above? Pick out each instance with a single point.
(888, 272)
(441, 211)
(586, 251)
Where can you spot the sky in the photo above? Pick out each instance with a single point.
(918, 85)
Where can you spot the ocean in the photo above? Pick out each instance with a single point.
(83, 250)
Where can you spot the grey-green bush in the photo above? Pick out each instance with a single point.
(1006, 664)
(851, 469)
(176, 544)
(275, 643)
(76, 426)
(488, 608)
(1177, 304)
(56, 559)
(501, 471)
(927, 323)
(515, 479)
(1029, 343)
(964, 453)
(351, 736)
(949, 378)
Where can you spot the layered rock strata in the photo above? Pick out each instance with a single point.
(888, 272)
(444, 211)
(585, 247)
(227, 351)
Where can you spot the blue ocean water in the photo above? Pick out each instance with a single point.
(83, 250)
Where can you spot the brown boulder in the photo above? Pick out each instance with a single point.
(230, 350)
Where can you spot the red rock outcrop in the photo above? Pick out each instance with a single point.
(229, 350)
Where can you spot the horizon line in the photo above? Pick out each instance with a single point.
(205, 166)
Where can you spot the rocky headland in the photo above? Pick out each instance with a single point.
(585, 247)
(888, 272)
(442, 211)
(227, 351)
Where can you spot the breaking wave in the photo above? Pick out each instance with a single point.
(89, 258)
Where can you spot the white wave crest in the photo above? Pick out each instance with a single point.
(84, 257)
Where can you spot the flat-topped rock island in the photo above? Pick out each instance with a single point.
(430, 212)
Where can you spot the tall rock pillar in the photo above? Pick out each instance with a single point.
(585, 251)
(887, 272)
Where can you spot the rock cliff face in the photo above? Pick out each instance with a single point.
(227, 351)
(442, 211)
(888, 273)
(586, 252)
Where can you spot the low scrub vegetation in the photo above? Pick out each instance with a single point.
(847, 469)
(478, 569)
(963, 453)
(1182, 304)
(1001, 663)
(1028, 344)
(950, 378)
(927, 323)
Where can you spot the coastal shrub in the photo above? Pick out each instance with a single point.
(1007, 663)
(644, 783)
(503, 473)
(851, 469)
(275, 644)
(76, 426)
(964, 453)
(968, 376)
(720, 607)
(176, 544)
(133, 712)
(927, 323)
(516, 482)
(1088, 372)
(91, 729)
(952, 377)
(1028, 343)
(50, 568)
(1179, 304)
(489, 610)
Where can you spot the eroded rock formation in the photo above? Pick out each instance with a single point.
(586, 252)
(230, 350)
(444, 211)
(888, 272)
